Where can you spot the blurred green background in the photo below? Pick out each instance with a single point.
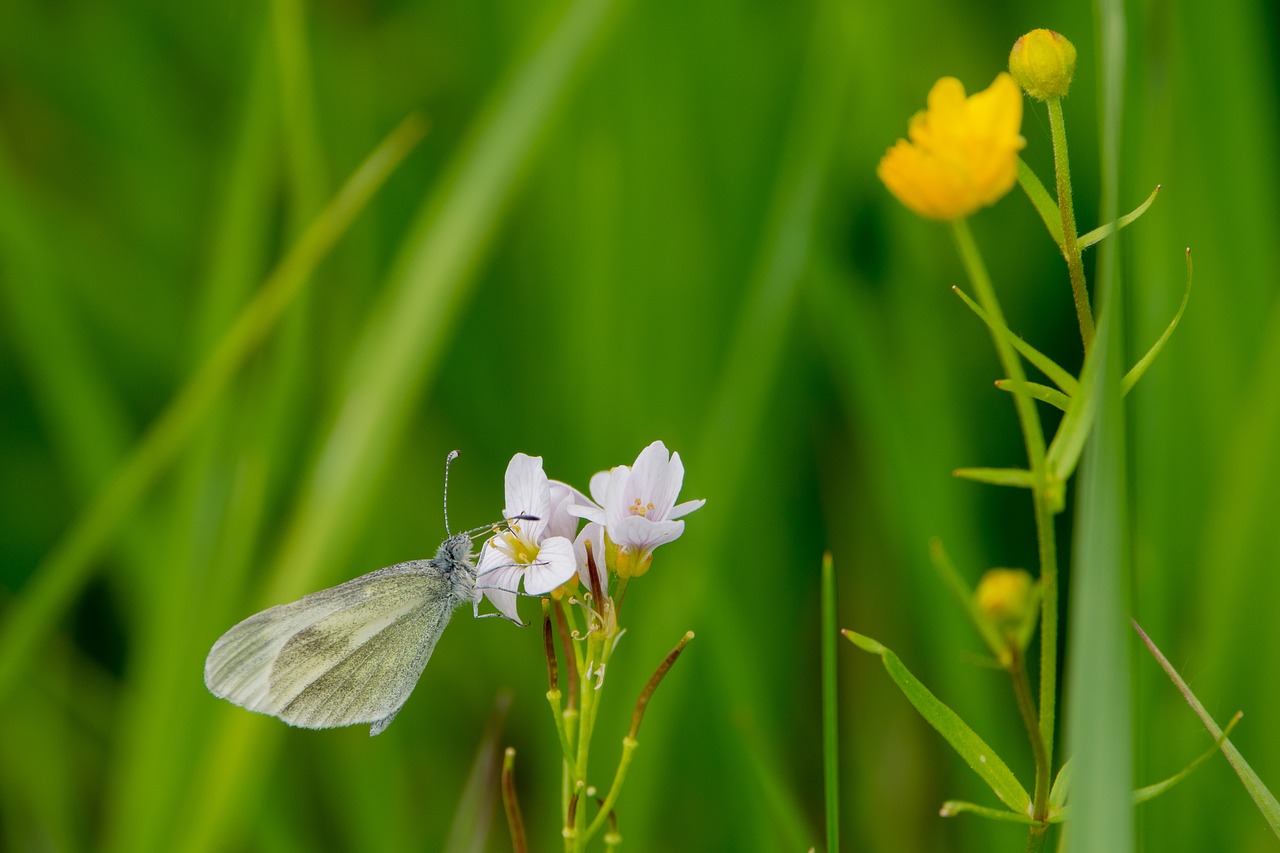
(630, 220)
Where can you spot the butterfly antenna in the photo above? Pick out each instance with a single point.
(453, 454)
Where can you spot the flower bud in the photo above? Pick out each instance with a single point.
(1043, 62)
(1008, 598)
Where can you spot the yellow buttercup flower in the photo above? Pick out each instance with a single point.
(963, 153)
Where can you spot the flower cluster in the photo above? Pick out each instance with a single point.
(632, 510)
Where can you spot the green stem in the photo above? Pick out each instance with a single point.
(1033, 437)
(1022, 691)
(1070, 241)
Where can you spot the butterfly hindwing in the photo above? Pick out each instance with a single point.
(345, 655)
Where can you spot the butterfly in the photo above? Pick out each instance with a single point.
(352, 653)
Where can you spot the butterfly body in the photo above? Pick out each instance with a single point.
(348, 654)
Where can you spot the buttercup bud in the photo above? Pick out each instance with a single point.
(1043, 62)
(1007, 598)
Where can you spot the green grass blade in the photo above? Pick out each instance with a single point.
(973, 749)
(1099, 717)
(830, 717)
(1135, 373)
(64, 571)
(1261, 794)
(1102, 232)
(1044, 203)
(1042, 362)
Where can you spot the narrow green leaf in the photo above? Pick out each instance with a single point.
(830, 720)
(1036, 391)
(1150, 792)
(1103, 231)
(1041, 201)
(1019, 477)
(1042, 362)
(1262, 796)
(951, 808)
(973, 749)
(1077, 422)
(1061, 787)
(1135, 373)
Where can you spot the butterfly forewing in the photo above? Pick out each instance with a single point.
(345, 655)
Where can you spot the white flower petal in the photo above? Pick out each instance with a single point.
(599, 486)
(640, 532)
(528, 492)
(499, 585)
(590, 512)
(617, 503)
(593, 533)
(560, 520)
(649, 476)
(680, 510)
(554, 566)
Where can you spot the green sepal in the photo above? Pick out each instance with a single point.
(1041, 201)
(1135, 373)
(1019, 477)
(1050, 368)
(1262, 796)
(1100, 233)
(974, 750)
(1036, 391)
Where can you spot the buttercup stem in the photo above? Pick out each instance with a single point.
(1033, 437)
(1070, 241)
(1022, 691)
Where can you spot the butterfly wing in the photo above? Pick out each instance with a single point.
(345, 655)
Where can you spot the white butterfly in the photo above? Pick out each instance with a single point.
(348, 654)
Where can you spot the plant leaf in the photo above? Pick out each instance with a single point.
(1135, 373)
(1036, 391)
(1019, 477)
(1041, 201)
(1042, 362)
(1150, 792)
(1104, 231)
(951, 808)
(973, 749)
(1068, 443)
(1262, 796)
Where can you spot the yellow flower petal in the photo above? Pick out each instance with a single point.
(963, 153)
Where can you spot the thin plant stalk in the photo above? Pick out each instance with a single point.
(1071, 249)
(1033, 437)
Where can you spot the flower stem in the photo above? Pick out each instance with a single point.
(1033, 438)
(1070, 241)
(1022, 691)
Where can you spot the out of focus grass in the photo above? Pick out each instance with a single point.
(630, 220)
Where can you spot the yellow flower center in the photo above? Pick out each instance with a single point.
(642, 511)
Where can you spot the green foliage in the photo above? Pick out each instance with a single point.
(628, 221)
